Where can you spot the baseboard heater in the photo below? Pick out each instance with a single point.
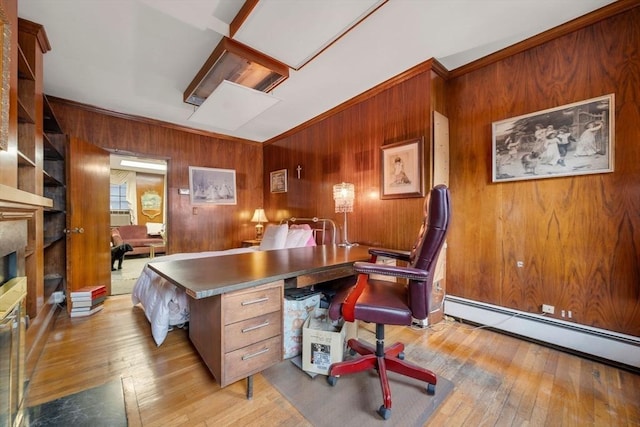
(601, 344)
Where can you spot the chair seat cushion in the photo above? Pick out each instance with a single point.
(381, 302)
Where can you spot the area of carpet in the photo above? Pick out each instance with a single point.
(96, 407)
(122, 281)
(355, 399)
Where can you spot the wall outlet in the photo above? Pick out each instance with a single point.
(549, 309)
(58, 297)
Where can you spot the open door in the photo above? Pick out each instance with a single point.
(88, 250)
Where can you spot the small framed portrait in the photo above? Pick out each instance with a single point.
(402, 174)
(212, 186)
(279, 181)
(572, 139)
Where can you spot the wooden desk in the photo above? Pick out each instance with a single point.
(236, 305)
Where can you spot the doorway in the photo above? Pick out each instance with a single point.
(138, 216)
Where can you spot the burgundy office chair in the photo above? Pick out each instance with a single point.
(390, 303)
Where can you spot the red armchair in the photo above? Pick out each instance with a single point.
(390, 303)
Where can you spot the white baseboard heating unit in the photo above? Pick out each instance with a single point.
(612, 346)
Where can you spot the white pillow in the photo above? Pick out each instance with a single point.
(297, 238)
(274, 237)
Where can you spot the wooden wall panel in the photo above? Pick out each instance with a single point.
(579, 237)
(346, 147)
(213, 227)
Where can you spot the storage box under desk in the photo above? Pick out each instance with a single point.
(238, 334)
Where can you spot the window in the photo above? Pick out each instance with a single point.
(118, 198)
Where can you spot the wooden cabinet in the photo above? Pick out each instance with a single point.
(246, 336)
(32, 44)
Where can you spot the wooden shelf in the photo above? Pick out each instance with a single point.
(23, 114)
(24, 70)
(24, 160)
(50, 151)
(51, 240)
(50, 181)
(50, 122)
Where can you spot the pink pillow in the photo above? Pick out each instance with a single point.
(312, 240)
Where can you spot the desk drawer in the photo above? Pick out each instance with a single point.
(246, 332)
(249, 360)
(244, 305)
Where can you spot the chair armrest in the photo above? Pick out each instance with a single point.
(391, 253)
(391, 270)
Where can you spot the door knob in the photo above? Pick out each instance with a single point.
(79, 230)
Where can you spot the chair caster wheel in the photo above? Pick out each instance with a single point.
(401, 355)
(431, 389)
(332, 380)
(385, 413)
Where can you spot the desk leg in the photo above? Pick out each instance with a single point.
(152, 252)
(250, 387)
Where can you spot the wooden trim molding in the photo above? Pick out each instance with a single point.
(559, 31)
(428, 65)
(148, 121)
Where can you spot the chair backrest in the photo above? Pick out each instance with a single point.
(424, 255)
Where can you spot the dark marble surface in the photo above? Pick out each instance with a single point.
(96, 407)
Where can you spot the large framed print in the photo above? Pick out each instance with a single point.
(402, 171)
(573, 139)
(212, 186)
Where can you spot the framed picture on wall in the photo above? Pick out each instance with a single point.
(573, 139)
(279, 181)
(402, 171)
(212, 186)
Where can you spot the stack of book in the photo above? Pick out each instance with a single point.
(87, 301)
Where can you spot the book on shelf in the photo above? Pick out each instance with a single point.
(86, 312)
(88, 302)
(89, 291)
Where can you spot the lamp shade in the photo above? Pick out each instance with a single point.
(259, 216)
(344, 194)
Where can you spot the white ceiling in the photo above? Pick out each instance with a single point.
(138, 56)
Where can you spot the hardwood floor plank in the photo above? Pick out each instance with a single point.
(499, 379)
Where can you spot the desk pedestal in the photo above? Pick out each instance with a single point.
(238, 334)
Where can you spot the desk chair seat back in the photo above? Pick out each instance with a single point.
(424, 255)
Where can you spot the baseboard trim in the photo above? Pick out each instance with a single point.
(606, 345)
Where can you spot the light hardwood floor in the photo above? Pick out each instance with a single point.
(499, 380)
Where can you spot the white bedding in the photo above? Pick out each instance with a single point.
(164, 304)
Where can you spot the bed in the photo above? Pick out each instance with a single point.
(167, 306)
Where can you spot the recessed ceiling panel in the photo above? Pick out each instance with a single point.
(294, 31)
(232, 105)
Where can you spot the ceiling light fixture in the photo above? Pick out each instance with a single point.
(236, 63)
(144, 165)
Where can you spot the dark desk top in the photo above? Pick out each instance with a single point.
(205, 277)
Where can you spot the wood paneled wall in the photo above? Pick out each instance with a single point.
(346, 147)
(579, 237)
(213, 227)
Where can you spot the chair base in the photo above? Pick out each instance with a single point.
(390, 359)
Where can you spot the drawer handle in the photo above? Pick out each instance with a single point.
(257, 353)
(253, 328)
(254, 301)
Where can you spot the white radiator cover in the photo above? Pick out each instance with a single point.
(608, 345)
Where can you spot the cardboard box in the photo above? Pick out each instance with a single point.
(296, 312)
(323, 342)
